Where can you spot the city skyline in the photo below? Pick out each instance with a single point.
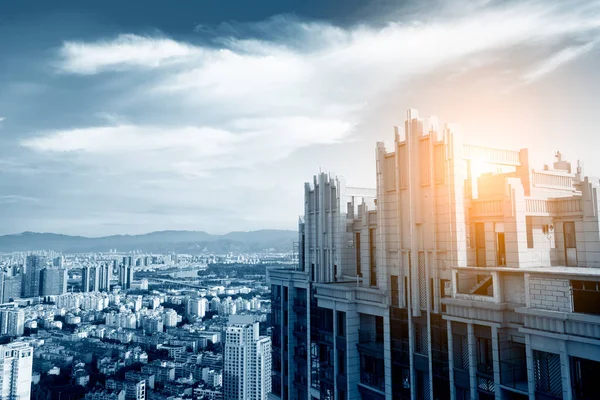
(195, 117)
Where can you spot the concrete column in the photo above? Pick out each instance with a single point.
(387, 356)
(496, 362)
(565, 370)
(472, 360)
(530, 371)
(451, 360)
(352, 356)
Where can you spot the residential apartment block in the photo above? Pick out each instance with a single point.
(247, 370)
(466, 274)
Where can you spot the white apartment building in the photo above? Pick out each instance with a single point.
(16, 360)
(247, 372)
(472, 276)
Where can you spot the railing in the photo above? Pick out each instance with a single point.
(487, 207)
(299, 329)
(550, 179)
(365, 336)
(554, 206)
(350, 292)
(326, 337)
(489, 154)
(372, 379)
(300, 303)
(513, 375)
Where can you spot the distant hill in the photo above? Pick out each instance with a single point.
(192, 242)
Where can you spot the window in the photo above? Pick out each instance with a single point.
(547, 373)
(357, 248)
(501, 249)
(372, 255)
(586, 297)
(570, 241)
(529, 226)
(394, 291)
(341, 323)
(341, 362)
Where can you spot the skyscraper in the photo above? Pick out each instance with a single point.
(126, 275)
(247, 374)
(456, 283)
(33, 275)
(54, 281)
(12, 288)
(16, 360)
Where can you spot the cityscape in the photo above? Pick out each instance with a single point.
(299, 200)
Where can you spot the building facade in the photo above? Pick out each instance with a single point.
(247, 369)
(16, 360)
(472, 276)
(54, 281)
(31, 284)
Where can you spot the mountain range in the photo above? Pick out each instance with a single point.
(190, 242)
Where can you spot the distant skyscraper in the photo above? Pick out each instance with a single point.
(58, 261)
(104, 277)
(11, 289)
(16, 361)
(247, 373)
(54, 281)
(125, 275)
(86, 273)
(33, 274)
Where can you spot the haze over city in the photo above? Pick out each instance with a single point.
(129, 118)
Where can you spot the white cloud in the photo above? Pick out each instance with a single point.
(214, 115)
(266, 98)
(555, 61)
(191, 151)
(125, 51)
(2, 119)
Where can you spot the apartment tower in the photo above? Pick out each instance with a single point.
(467, 275)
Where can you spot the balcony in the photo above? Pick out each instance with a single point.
(350, 292)
(300, 355)
(300, 380)
(370, 343)
(373, 380)
(514, 375)
(325, 337)
(300, 306)
(575, 324)
(300, 330)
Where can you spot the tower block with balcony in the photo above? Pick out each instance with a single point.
(465, 275)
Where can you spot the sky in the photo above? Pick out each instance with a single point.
(130, 117)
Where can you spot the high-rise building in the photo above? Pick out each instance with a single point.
(33, 275)
(54, 281)
(247, 373)
(104, 277)
(58, 261)
(11, 288)
(126, 275)
(12, 321)
(472, 276)
(16, 361)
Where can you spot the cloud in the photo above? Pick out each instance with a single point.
(2, 119)
(189, 150)
(301, 81)
(125, 51)
(15, 198)
(207, 120)
(555, 61)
